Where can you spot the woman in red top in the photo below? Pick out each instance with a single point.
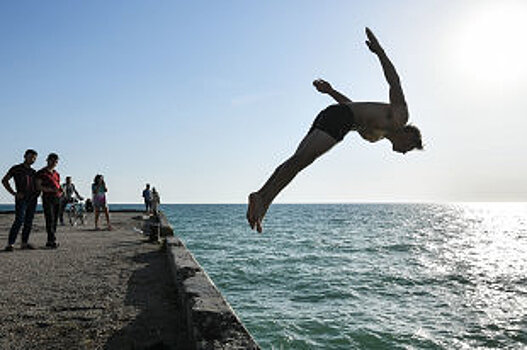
(48, 181)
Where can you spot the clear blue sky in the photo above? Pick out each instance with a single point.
(204, 99)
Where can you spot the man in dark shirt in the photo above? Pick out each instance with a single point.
(48, 181)
(147, 195)
(26, 196)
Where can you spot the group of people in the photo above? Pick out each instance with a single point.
(373, 121)
(152, 200)
(30, 184)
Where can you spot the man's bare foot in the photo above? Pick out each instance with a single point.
(255, 211)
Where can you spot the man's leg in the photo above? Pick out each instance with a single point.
(28, 222)
(47, 206)
(314, 144)
(20, 212)
(55, 218)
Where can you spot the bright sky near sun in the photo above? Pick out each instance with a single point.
(204, 99)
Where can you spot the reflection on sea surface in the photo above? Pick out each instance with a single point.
(369, 276)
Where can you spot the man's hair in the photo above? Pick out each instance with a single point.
(415, 137)
(30, 152)
(52, 157)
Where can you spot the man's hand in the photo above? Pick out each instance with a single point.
(322, 86)
(326, 88)
(19, 195)
(372, 42)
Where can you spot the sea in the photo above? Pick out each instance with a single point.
(368, 276)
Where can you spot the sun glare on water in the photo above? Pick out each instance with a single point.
(488, 46)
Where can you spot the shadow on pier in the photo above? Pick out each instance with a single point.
(152, 292)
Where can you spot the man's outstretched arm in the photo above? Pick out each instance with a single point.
(77, 193)
(7, 185)
(397, 100)
(326, 88)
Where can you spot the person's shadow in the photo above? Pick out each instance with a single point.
(152, 291)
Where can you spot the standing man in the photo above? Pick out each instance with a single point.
(26, 196)
(48, 181)
(147, 195)
(68, 190)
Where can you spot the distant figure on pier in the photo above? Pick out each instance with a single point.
(26, 196)
(372, 120)
(48, 181)
(156, 201)
(99, 190)
(88, 205)
(147, 196)
(69, 194)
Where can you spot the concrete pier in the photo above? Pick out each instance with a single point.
(111, 290)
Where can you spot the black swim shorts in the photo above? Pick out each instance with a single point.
(336, 120)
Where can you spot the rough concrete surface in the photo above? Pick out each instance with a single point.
(98, 290)
(210, 321)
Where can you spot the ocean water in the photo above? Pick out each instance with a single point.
(369, 276)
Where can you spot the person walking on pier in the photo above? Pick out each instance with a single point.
(48, 181)
(372, 120)
(147, 196)
(26, 196)
(98, 189)
(69, 193)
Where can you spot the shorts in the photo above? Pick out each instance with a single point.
(336, 120)
(99, 201)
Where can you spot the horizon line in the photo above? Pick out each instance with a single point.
(351, 202)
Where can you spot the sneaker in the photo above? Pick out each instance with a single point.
(52, 245)
(27, 246)
(9, 248)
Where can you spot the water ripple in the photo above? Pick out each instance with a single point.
(390, 276)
